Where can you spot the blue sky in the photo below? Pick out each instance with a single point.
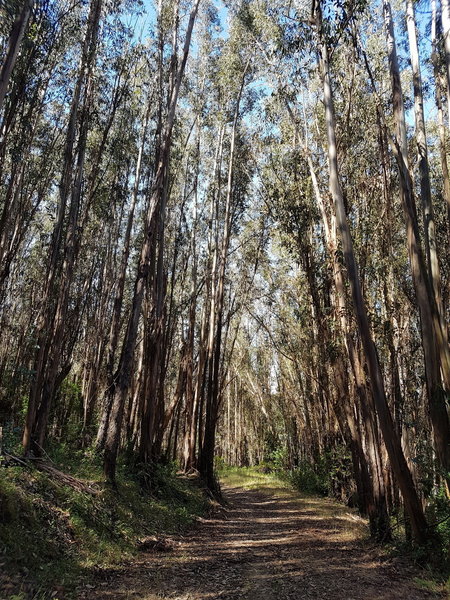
(148, 19)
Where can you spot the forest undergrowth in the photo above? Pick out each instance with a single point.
(58, 537)
(55, 536)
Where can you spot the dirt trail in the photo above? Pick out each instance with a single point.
(266, 547)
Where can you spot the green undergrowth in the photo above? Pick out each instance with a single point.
(53, 536)
(272, 476)
(251, 478)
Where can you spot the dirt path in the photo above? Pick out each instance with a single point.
(266, 547)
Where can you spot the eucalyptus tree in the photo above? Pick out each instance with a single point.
(426, 283)
(439, 86)
(18, 29)
(65, 242)
(156, 211)
(390, 434)
(445, 7)
(29, 131)
(439, 416)
(219, 265)
(391, 438)
(140, 113)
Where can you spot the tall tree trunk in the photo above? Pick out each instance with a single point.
(392, 441)
(372, 487)
(445, 7)
(424, 169)
(439, 86)
(216, 324)
(124, 371)
(434, 338)
(114, 330)
(64, 247)
(15, 40)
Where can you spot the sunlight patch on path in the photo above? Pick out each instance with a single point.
(267, 545)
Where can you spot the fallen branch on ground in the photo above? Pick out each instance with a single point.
(57, 476)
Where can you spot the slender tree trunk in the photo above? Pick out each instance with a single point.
(217, 301)
(439, 86)
(434, 337)
(424, 170)
(14, 43)
(393, 445)
(114, 331)
(190, 398)
(64, 247)
(372, 487)
(124, 372)
(445, 7)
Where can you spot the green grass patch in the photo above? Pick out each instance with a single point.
(251, 478)
(278, 484)
(52, 535)
(427, 584)
(263, 478)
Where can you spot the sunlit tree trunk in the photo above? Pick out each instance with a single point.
(424, 169)
(392, 441)
(445, 7)
(216, 316)
(434, 338)
(439, 86)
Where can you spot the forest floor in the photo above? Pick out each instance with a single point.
(268, 543)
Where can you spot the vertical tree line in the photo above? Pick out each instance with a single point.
(224, 233)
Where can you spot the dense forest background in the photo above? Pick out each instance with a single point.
(224, 232)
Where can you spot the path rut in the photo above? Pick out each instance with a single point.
(266, 547)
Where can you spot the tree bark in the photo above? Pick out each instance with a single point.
(14, 43)
(434, 338)
(124, 371)
(392, 441)
(445, 7)
(64, 247)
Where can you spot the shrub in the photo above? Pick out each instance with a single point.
(308, 478)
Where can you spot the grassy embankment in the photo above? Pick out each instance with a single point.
(54, 536)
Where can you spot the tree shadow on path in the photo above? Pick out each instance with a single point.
(265, 547)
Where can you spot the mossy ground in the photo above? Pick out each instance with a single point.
(52, 536)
